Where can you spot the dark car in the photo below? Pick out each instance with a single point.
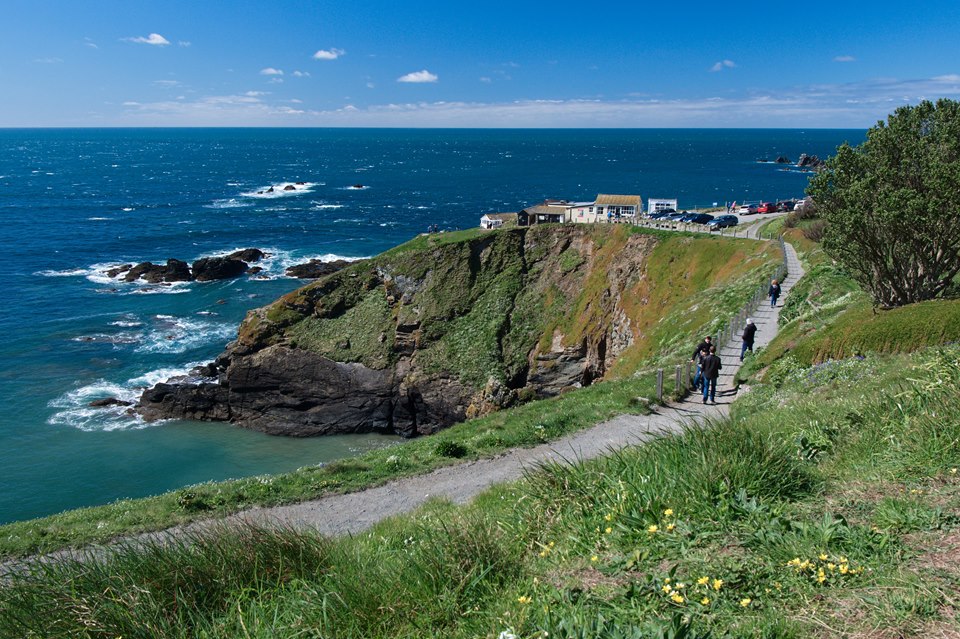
(722, 222)
(699, 218)
(786, 205)
(659, 215)
(676, 217)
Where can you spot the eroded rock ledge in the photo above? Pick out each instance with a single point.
(425, 335)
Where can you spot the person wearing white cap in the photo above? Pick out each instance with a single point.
(749, 334)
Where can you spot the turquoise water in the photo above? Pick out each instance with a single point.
(74, 202)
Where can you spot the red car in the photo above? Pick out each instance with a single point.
(767, 207)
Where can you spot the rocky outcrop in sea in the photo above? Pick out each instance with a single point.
(426, 335)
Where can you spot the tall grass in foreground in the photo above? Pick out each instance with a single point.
(815, 512)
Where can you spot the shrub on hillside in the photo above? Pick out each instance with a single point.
(890, 204)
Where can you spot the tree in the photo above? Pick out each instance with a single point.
(892, 204)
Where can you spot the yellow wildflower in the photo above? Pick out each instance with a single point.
(668, 512)
(551, 544)
(844, 569)
(953, 471)
(746, 602)
(667, 589)
(705, 601)
(608, 517)
(652, 528)
(823, 557)
(608, 530)
(666, 580)
(594, 558)
(843, 560)
(703, 581)
(670, 527)
(831, 566)
(524, 600)
(677, 598)
(717, 584)
(680, 585)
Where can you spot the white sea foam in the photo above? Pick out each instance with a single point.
(76, 412)
(127, 209)
(279, 190)
(73, 272)
(179, 335)
(323, 206)
(99, 219)
(228, 203)
(355, 187)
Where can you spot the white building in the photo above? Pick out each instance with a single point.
(657, 205)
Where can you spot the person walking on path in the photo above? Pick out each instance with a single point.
(702, 348)
(774, 292)
(710, 367)
(749, 334)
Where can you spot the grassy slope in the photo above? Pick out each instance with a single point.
(700, 273)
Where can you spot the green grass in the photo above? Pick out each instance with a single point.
(814, 511)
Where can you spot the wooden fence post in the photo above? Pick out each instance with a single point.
(659, 384)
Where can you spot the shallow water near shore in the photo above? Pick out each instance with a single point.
(75, 202)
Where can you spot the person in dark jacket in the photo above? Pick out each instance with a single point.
(710, 367)
(774, 292)
(698, 353)
(749, 334)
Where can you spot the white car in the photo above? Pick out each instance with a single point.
(800, 204)
(747, 209)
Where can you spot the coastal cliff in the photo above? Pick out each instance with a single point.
(437, 330)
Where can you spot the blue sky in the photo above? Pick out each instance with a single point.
(472, 64)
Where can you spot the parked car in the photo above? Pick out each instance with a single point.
(687, 215)
(722, 222)
(659, 215)
(675, 217)
(800, 204)
(767, 207)
(699, 218)
(747, 209)
(785, 205)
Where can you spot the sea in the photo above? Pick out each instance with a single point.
(76, 202)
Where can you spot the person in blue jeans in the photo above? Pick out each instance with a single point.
(774, 292)
(701, 351)
(710, 368)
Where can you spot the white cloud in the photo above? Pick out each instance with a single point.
(87, 42)
(167, 83)
(844, 58)
(275, 80)
(723, 64)
(256, 94)
(296, 101)
(418, 77)
(154, 38)
(183, 43)
(328, 54)
(854, 105)
(271, 71)
(301, 74)
(371, 85)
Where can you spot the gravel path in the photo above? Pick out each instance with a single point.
(355, 512)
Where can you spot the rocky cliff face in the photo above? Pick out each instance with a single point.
(425, 335)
